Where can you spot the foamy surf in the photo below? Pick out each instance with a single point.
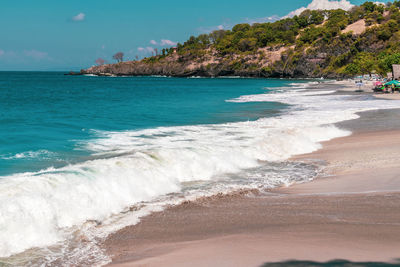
(149, 169)
(44, 154)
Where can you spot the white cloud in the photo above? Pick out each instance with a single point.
(147, 49)
(24, 56)
(163, 42)
(167, 42)
(214, 28)
(37, 55)
(79, 17)
(323, 5)
(263, 20)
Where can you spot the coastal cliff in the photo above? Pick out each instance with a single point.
(330, 43)
(210, 65)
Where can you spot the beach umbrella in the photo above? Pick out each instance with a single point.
(396, 83)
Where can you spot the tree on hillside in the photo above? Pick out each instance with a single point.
(100, 61)
(309, 17)
(119, 57)
(352, 69)
(247, 44)
(366, 62)
(388, 60)
(369, 6)
(356, 13)
(217, 35)
(241, 27)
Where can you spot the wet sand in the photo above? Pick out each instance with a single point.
(395, 96)
(354, 214)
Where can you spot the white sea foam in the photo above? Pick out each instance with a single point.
(159, 76)
(44, 154)
(43, 208)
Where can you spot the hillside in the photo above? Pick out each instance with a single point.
(331, 43)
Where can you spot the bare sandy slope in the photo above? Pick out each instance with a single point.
(357, 27)
(352, 215)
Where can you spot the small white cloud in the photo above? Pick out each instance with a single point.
(215, 28)
(322, 5)
(79, 17)
(147, 49)
(263, 20)
(163, 42)
(1, 52)
(37, 55)
(167, 42)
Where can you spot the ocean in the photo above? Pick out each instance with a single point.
(84, 156)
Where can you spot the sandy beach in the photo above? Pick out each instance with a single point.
(368, 87)
(389, 96)
(352, 213)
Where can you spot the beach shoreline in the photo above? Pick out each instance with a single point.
(353, 214)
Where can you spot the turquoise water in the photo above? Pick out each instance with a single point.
(45, 116)
(81, 157)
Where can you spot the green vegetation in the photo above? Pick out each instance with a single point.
(315, 43)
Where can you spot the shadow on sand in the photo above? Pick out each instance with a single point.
(334, 263)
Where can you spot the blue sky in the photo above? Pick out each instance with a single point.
(69, 35)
